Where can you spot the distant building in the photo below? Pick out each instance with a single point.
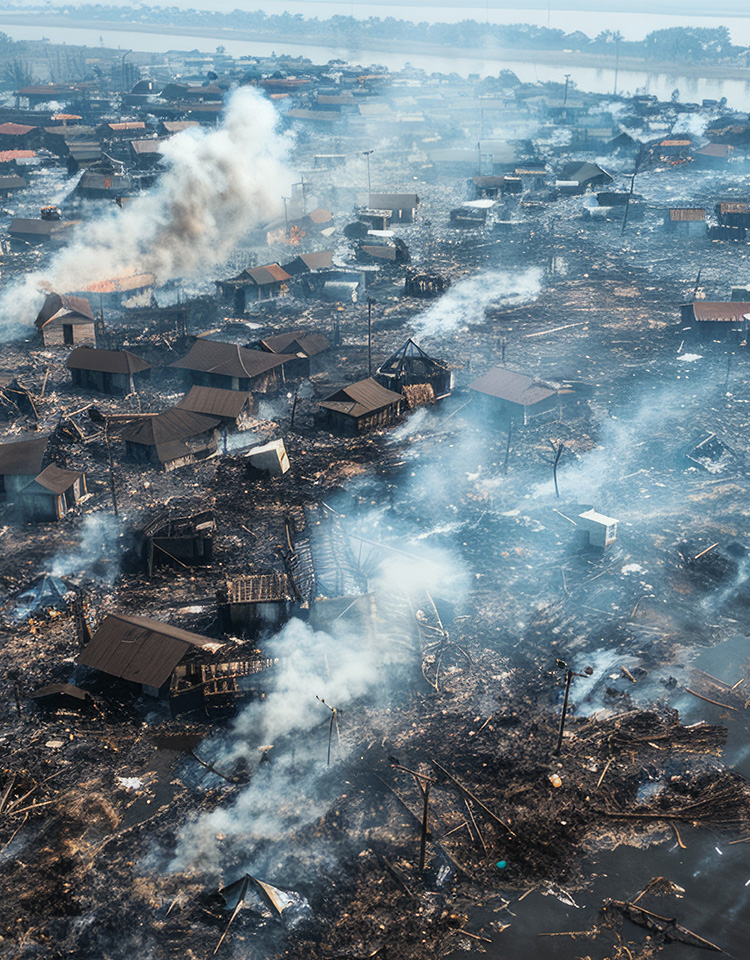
(721, 320)
(301, 345)
(172, 439)
(260, 601)
(232, 407)
(516, 394)
(403, 206)
(213, 363)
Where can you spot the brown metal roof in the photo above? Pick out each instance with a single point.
(261, 588)
(146, 146)
(106, 361)
(228, 359)
(140, 649)
(359, 399)
(215, 402)
(272, 273)
(173, 425)
(513, 387)
(298, 341)
(15, 129)
(720, 311)
(53, 479)
(26, 226)
(731, 206)
(680, 214)
(56, 306)
(22, 457)
(320, 260)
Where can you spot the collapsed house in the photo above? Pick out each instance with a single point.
(517, 395)
(172, 439)
(361, 406)
(52, 494)
(20, 462)
(411, 367)
(65, 320)
(402, 206)
(142, 652)
(259, 601)
(173, 540)
(108, 371)
(421, 284)
(213, 363)
(302, 345)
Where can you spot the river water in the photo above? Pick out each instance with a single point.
(737, 92)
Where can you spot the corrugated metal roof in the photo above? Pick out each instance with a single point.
(513, 387)
(320, 260)
(106, 361)
(58, 306)
(228, 359)
(272, 273)
(298, 341)
(145, 146)
(681, 214)
(215, 402)
(720, 311)
(173, 425)
(140, 649)
(53, 479)
(14, 129)
(359, 399)
(6, 156)
(22, 227)
(22, 457)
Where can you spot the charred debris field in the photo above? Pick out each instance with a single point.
(373, 567)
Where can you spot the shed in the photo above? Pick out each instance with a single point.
(585, 175)
(270, 458)
(229, 406)
(172, 439)
(109, 371)
(28, 230)
(516, 394)
(303, 345)
(256, 283)
(142, 651)
(688, 221)
(718, 320)
(65, 320)
(309, 263)
(20, 462)
(10, 184)
(410, 366)
(361, 406)
(601, 530)
(403, 206)
(213, 363)
(52, 494)
(260, 600)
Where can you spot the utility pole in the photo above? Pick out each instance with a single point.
(370, 302)
(567, 78)
(366, 153)
(286, 217)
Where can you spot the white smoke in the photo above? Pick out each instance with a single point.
(218, 185)
(465, 302)
(96, 556)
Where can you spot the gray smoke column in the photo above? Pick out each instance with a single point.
(466, 301)
(219, 184)
(96, 556)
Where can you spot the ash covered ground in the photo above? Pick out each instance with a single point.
(121, 819)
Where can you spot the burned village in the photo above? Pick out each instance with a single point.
(374, 483)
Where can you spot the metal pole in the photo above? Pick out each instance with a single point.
(425, 813)
(565, 98)
(369, 336)
(366, 153)
(286, 218)
(111, 468)
(568, 678)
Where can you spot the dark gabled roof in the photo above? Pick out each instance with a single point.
(26, 226)
(55, 307)
(60, 690)
(409, 358)
(514, 387)
(12, 182)
(22, 458)
(215, 402)
(261, 588)
(53, 479)
(359, 399)
(173, 425)
(177, 126)
(584, 172)
(146, 146)
(140, 649)
(720, 311)
(393, 201)
(228, 359)
(271, 273)
(307, 262)
(106, 361)
(297, 341)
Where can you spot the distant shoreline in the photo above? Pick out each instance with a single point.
(542, 56)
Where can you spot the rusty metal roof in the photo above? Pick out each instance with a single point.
(692, 214)
(271, 273)
(359, 399)
(106, 361)
(228, 359)
(261, 588)
(59, 306)
(53, 479)
(15, 129)
(720, 311)
(513, 387)
(140, 649)
(167, 427)
(22, 457)
(215, 402)
(297, 341)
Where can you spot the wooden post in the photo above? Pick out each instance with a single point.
(425, 815)
(111, 468)
(507, 446)
(568, 678)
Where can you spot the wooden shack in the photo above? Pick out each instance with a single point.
(65, 320)
(213, 363)
(108, 371)
(21, 462)
(52, 494)
(517, 395)
(171, 439)
(361, 406)
(233, 408)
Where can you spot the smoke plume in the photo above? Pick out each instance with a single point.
(219, 184)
